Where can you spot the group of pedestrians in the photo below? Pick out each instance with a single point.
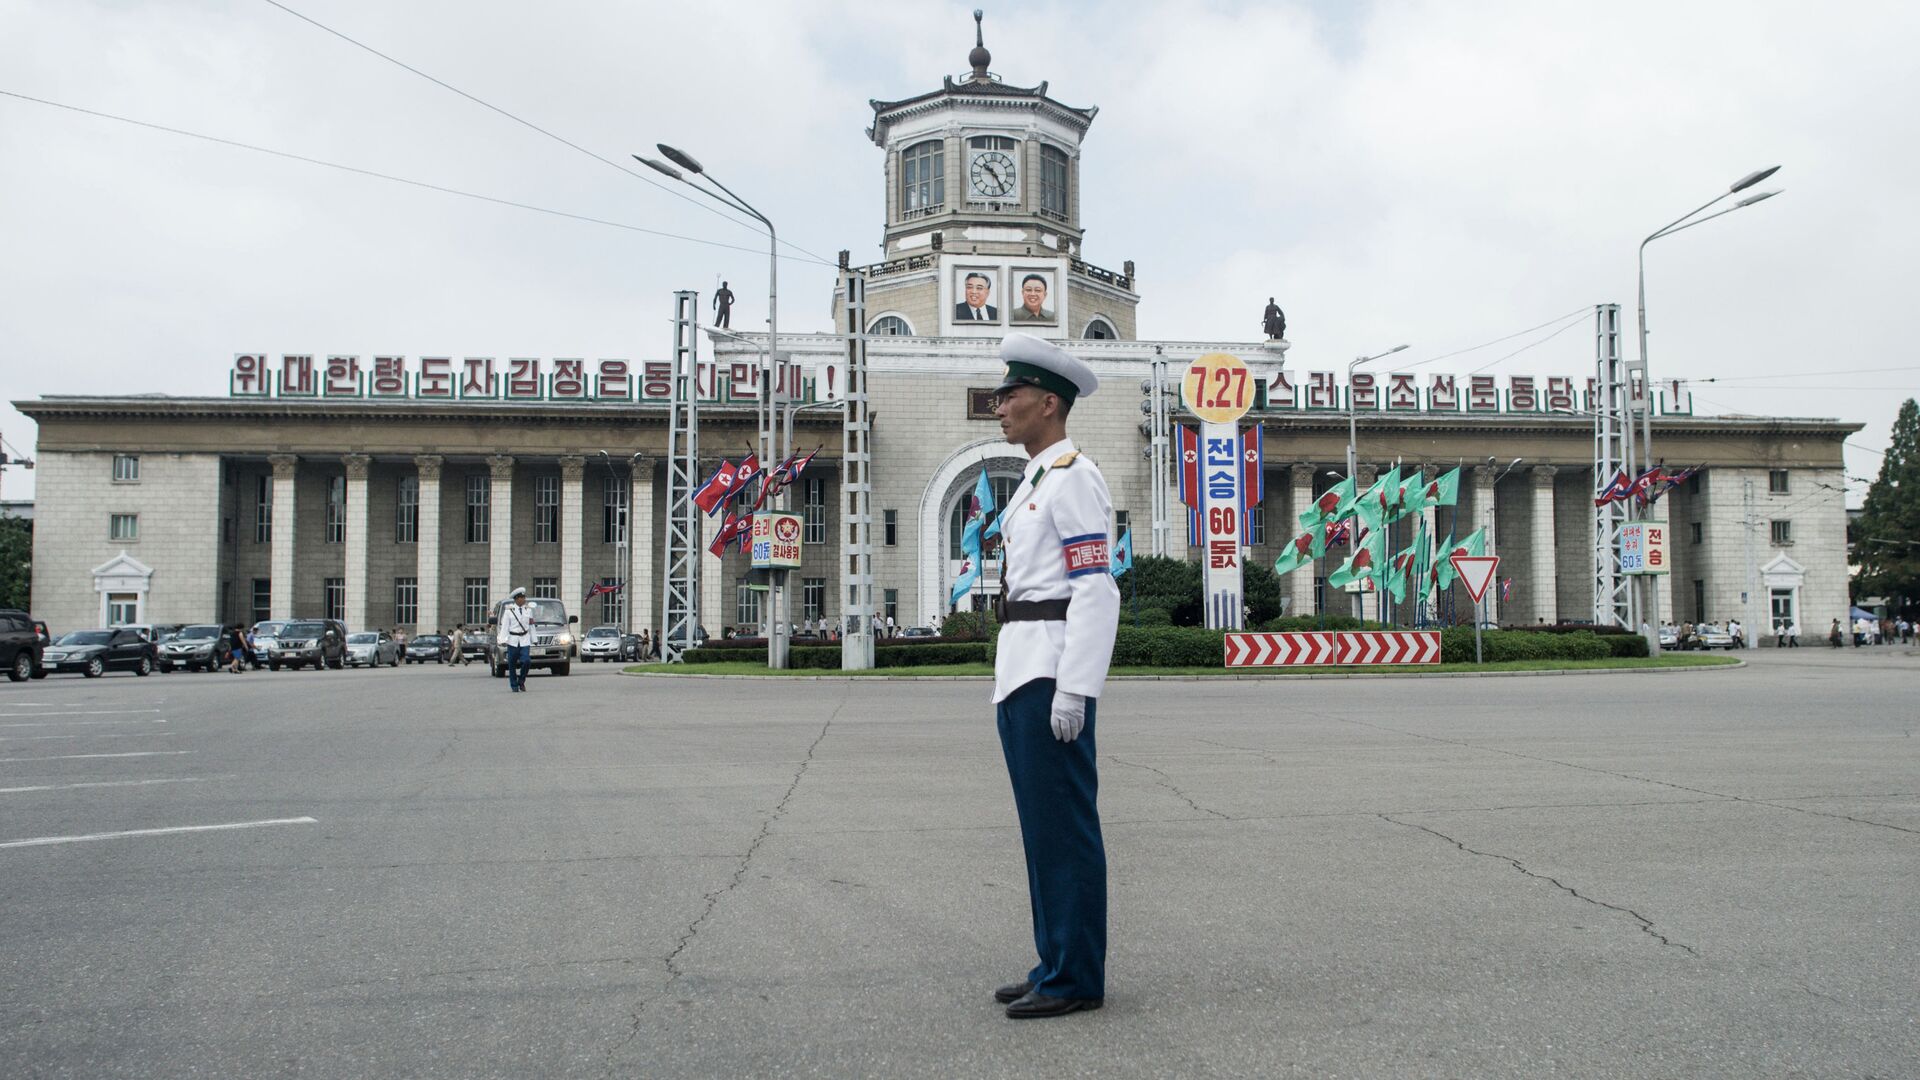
(1867, 630)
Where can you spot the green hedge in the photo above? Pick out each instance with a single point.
(1297, 623)
(827, 657)
(1168, 646)
(1456, 646)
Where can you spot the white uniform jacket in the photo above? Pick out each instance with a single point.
(516, 625)
(1057, 547)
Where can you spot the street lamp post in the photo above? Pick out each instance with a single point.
(764, 409)
(1647, 588)
(1352, 440)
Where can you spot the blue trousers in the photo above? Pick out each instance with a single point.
(1055, 790)
(519, 659)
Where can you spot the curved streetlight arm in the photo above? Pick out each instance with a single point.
(1741, 205)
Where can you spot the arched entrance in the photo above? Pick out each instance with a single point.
(952, 483)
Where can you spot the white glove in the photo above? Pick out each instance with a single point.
(1069, 715)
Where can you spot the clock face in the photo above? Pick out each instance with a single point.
(992, 174)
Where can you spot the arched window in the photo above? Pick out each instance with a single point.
(923, 181)
(890, 326)
(1099, 329)
(1053, 182)
(1002, 487)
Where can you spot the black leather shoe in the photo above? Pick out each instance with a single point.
(1037, 1006)
(1013, 992)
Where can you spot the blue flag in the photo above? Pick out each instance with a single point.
(981, 521)
(1123, 554)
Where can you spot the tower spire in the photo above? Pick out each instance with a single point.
(979, 57)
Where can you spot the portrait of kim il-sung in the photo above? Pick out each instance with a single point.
(973, 295)
(1033, 291)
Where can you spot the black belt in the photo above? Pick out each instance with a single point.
(1035, 610)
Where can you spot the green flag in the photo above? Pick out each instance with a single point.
(1432, 574)
(1407, 563)
(1360, 565)
(1375, 505)
(1444, 490)
(1332, 505)
(1301, 551)
(1475, 543)
(1412, 496)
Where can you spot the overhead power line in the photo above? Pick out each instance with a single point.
(1576, 321)
(356, 170)
(443, 84)
(1509, 337)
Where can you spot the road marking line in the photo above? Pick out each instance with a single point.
(98, 783)
(79, 723)
(40, 841)
(83, 712)
(87, 735)
(76, 757)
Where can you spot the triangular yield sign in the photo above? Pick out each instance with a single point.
(1476, 572)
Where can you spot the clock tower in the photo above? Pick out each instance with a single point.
(983, 231)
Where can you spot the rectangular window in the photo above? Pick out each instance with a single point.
(1694, 530)
(1699, 600)
(122, 608)
(335, 594)
(613, 510)
(474, 611)
(262, 599)
(890, 605)
(1257, 525)
(336, 512)
(546, 509)
(123, 527)
(1319, 595)
(613, 605)
(479, 509)
(406, 600)
(814, 511)
(813, 598)
(263, 509)
(1122, 521)
(1053, 182)
(546, 588)
(406, 512)
(1776, 481)
(923, 182)
(126, 468)
(1782, 532)
(746, 605)
(1780, 604)
(889, 528)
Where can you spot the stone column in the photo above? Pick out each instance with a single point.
(1300, 582)
(573, 536)
(426, 545)
(285, 527)
(500, 530)
(716, 593)
(642, 553)
(355, 557)
(1546, 578)
(1483, 518)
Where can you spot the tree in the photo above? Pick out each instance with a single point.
(16, 563)
(1887, 533)
(1171, 585)
(1262, 589)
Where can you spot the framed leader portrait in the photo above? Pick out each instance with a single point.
(1033, 300)
(976, 298)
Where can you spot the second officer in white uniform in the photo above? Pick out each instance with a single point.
(1061, 612)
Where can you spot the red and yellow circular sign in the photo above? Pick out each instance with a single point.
(1218, 388)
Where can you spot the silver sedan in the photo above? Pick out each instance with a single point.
(370, 649)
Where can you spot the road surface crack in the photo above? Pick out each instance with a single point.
(1166, 781)
(1646, 924)
(712, 899)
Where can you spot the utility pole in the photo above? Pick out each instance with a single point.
(1751, 522)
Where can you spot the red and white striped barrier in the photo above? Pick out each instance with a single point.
(1346, 648)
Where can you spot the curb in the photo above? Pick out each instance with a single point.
(1223, 677)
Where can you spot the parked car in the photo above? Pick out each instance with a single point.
(20, 646)
(320, 643)
(553, 646)
(203, 647)
(429, 649)
(918, 631)
(372, 648)
(265, 633)
(1712, 636)
(477, 645)
(630, 647)
(1669, 636)
(604, 643)
(93, 653)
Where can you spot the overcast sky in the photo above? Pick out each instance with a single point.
(1441, 174)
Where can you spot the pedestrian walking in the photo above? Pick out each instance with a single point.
(1833, 636)
(646, 645)
(458, 639)
(516, 638)
(1793, 634)
(1061, 610)
(891, 629)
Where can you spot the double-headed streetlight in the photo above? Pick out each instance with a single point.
(1649, 605)
(1352, 438)
(764, 408)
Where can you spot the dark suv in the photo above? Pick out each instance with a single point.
(319, 642)
(21, 646)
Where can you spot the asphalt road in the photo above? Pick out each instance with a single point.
(1710, 874)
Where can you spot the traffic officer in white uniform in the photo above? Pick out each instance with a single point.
(1061, 611)
(516, 638)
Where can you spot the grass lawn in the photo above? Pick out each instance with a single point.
(1685, 660)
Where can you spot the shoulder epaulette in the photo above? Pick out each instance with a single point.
(1066, 459)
